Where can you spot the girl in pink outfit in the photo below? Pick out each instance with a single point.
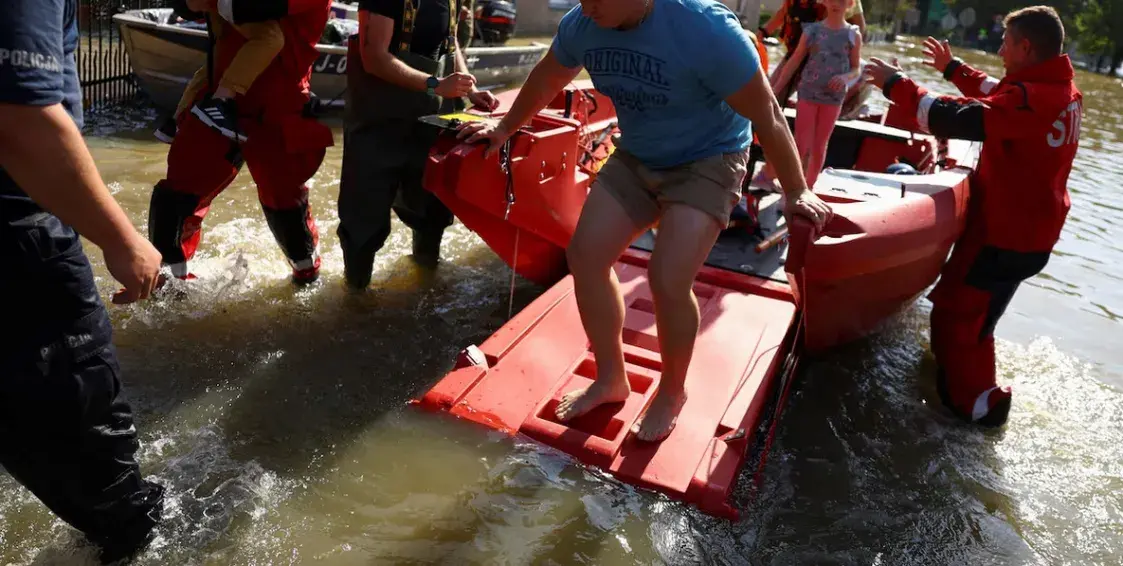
(834, 50)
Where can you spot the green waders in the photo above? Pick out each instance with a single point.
(384, 155)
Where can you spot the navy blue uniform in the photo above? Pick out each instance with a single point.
(65, 433)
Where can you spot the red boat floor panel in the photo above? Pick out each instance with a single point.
(515, 380)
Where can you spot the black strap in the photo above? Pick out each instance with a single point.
(1025, 96)
(409, 16)
(409, 20)
(952, 67)
(892, 80)
(453, 20)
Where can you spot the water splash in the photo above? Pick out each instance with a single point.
(212, 499)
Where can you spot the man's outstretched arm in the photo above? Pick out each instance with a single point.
(44, 153)
(547, 78)
(42, 150)
(971, 82)
(1006, 114)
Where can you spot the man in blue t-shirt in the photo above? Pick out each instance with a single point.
(685, 80)
(65, 433)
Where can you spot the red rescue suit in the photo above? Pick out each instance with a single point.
(284, 149)
(1029, 124)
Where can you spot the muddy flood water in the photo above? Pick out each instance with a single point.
(277, 417)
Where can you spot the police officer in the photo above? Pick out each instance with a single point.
(406, 63)
(65, 433)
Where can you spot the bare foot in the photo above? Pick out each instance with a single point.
(581, 401)
(660, 418)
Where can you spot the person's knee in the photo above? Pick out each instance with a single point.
(587, 258)
(267, 36)
(274, 38)
(671, 285)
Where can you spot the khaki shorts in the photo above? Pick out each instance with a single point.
(711, 185)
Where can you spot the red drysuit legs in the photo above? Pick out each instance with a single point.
(975, 288)
(202, 163)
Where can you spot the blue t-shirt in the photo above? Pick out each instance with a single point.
(668, 78)
(38, 39)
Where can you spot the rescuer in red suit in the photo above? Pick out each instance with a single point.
(1029, 123)
(285, 144)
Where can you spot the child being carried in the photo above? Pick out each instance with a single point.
(264, 41)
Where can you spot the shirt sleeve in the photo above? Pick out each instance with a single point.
(1005, 116)
(31, 52)
(970, 81)
(565, 47)
(727, 59)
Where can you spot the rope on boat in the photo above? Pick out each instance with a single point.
(787, 376)
(505, 164)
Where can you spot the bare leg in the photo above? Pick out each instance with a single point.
(603, 233)
(806, 122)
(686, 238)
(826, 115)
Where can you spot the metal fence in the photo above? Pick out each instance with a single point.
(103, 64)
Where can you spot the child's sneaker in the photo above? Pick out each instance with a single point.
(166, 131)
(221, 115)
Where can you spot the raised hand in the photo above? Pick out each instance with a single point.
(939, 54)
(877, 72)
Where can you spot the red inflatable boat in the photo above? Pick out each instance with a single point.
(765, 299)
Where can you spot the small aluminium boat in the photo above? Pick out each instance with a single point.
(766, 300)
(164, 55)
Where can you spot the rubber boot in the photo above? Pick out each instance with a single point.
(295, 231)
(358, 265)
(427, 248)
(307, 275)
(991, 410)
(135, 536)
(170, 216)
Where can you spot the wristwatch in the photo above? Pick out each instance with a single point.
(431, 85)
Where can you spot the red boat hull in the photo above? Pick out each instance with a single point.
(514, 381)
(885, 246)
(875, 259)
(547, 184)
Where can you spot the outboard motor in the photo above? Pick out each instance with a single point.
(494, 21)
(901, 168)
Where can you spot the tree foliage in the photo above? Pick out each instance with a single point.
(1090, 23)
(1095, 23)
